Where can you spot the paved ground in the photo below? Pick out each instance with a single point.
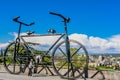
(7, 76)
(4, 75)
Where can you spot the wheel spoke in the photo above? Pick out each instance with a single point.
(68, 71)
(62, 66)
(62, 51)
(8, 64)
(76, 52)
(21, 49)
(80, 73)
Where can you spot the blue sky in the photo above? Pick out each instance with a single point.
(97, 18)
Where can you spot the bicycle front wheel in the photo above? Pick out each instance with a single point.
(78, 60)
(13, 58)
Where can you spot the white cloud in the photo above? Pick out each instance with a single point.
(3, 45)
(79, 37)
(97, 44)
(92, 44)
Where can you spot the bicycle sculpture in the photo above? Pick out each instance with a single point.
(69, 57)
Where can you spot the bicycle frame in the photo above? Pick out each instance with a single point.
(26, 45)
(65, 20)
(51, 47)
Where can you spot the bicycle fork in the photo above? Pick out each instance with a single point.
(69, 58)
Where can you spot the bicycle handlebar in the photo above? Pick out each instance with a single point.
(16, 20)
(53, 13)
(65, 19)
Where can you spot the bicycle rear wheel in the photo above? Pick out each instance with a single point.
(14, 59)
(78, 60)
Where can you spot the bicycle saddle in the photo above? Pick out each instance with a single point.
(52, 31)
(30, 32)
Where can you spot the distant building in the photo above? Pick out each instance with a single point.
(105, 60)
(101, 60)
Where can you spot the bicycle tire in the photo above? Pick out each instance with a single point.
(79, 60)
(13, 66)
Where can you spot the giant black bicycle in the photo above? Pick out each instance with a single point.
(69, 57)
